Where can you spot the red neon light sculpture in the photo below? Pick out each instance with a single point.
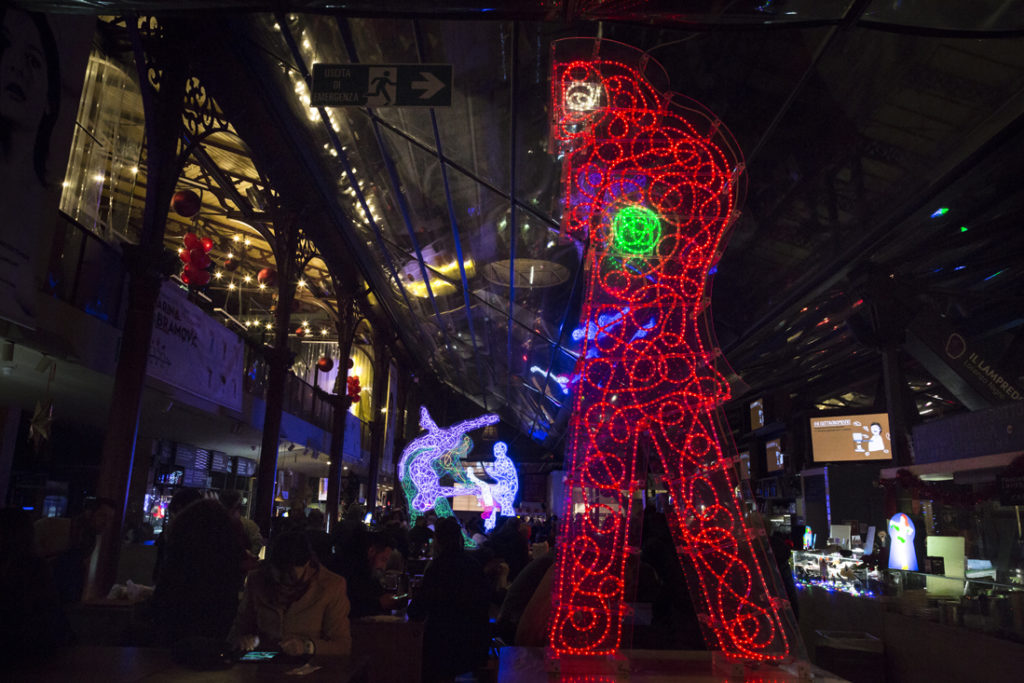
(651, 182)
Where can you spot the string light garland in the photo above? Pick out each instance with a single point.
(432, 456)
(651, 183)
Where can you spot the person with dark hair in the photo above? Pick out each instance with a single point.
(319, 539)
(293, 604)
(30, 89)
(453, 600)
(510, 542)
(179, 501)
(31, 620)
(420, 536)
(197, 592)
(363, 563)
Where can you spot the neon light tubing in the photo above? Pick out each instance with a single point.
(431, 456)
(651, 182)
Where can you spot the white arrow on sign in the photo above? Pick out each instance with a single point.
(431, 85)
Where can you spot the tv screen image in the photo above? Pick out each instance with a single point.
(775, 459)
(837, 438)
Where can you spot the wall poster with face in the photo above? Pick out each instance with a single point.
(42, 67)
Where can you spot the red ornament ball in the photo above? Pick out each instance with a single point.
(267, 276)
(300, 331)
(186, 203)
(192, 241)
(201, 278)
(207, 243)
(326, 364)
(351, 363)
(231, 265)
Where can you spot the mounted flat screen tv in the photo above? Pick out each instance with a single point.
(774, 458)
(850, 438)
(757, 420)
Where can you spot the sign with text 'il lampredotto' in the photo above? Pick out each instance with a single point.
(382, 85)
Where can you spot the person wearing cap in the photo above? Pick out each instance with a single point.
(292, 604)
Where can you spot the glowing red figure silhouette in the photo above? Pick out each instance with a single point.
(651, 182)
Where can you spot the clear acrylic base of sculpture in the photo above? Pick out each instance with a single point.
(596, 665)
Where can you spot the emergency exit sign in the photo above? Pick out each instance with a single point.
(382, 85)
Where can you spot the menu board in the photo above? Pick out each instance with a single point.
(220, 462)
(184, 455)
(245, 467)
(195, 478)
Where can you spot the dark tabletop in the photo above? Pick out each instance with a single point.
(155, 665)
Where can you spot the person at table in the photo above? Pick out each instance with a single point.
(363, 563)
(419, 537)
(292, 604)
(453, 600)
(204, 566)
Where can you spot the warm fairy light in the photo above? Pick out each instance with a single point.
(323, 332)
(134, 170)
(305, 323)
(236, 238)
(270, 326)
(433, 455)
(247, 278)
(231, 285)
(231, 255)
(246, 241)
(302, 283)
(218, 275)
(651, 187)
(262, 286)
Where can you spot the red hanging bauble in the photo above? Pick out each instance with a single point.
(230, 264)
(201, 278)
(186, 203)
(326, 364)
(300, 331)
(351, 363)
(267, 276)
(207, 243)
(198, 258)
(192, 241)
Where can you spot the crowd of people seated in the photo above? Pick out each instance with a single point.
(472, 589)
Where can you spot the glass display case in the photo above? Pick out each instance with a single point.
(836, 570)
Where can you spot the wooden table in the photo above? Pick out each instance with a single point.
(155, 665)
(528, 665)
(394, 646)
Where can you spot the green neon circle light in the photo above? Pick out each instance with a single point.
(636, 230)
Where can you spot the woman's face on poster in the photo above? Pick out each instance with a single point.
(23, 83)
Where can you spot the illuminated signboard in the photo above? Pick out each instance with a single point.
(756, 414)
(774, 458)
(851, 438)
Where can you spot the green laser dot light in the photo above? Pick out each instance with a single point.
(636, 230)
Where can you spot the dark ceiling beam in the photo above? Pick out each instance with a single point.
(987, 140)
